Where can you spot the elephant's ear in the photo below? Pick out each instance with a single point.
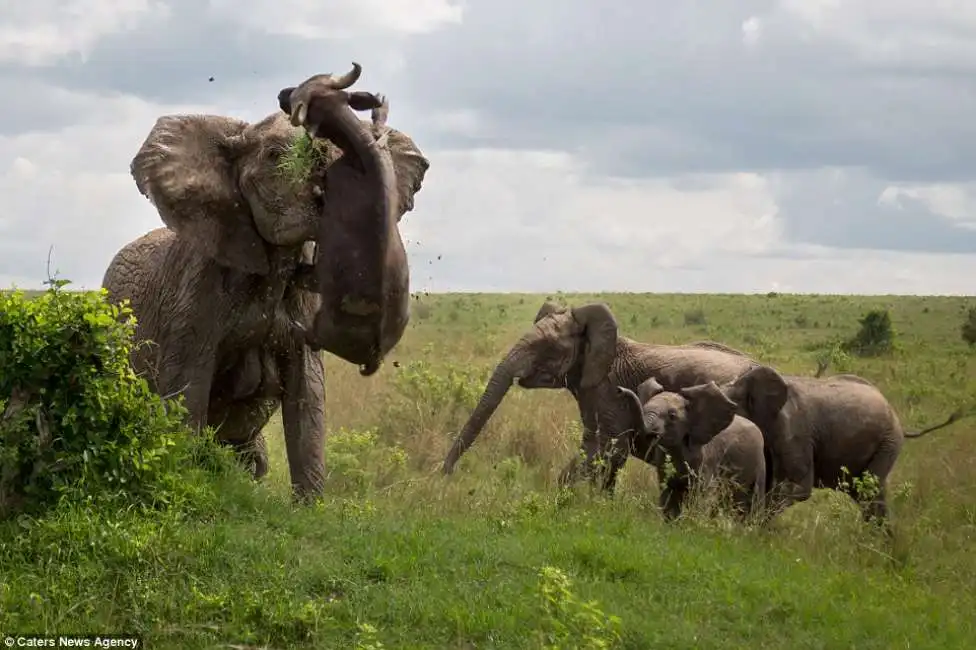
(547, 308)
(185, 168)
(599, 329)
(709, 412)
(648, 389)
(761, 392)
(410, 166)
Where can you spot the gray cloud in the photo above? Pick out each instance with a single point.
(574, 146)
(618, 82)
(843, 210)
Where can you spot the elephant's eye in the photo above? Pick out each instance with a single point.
(672, 415)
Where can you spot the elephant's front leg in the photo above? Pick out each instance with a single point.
(786, 491)
(583, 464)
(303, 417)
(240, 425)
(192, 376)
(671, 498)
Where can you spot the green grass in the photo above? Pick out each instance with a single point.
(301, 157)
(431, 562)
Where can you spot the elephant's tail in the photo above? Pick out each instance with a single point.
(958, 414)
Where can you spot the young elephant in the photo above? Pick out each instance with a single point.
(817, 427)
(698, 427)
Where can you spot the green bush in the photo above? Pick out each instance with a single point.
(876, 336)
(969, 327)
(359, 459)
(75, 421)
(695, 316)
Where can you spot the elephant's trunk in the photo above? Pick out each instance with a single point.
(501, 380)
(635, 410)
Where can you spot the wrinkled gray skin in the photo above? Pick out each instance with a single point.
(362, 273)
(218, 289)
(577, 348)
(814, 426)
(700, 431)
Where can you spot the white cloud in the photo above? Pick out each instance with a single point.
(860, 139)
(71, 189)
(956, 201)
(752, 30)
(42, 31)
(340, 18)
(536, 221)
(886, 32)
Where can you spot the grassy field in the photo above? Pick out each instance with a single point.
(398, 556)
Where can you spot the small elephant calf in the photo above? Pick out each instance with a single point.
(698, 427)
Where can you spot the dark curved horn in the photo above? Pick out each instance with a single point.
(348, 79)
(600, 330)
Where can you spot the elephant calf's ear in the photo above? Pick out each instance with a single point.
(762, 392)
(709, 411)
(648, 389)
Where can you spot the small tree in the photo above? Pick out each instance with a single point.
(75, 420)
(876, 336)
(969, 327)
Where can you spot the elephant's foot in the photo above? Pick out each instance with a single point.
(876, 512)
(252, 456)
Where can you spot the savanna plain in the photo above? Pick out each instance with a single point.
(496, 556)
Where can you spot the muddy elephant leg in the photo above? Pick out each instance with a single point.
(585, 465)
(193, 379)
(303, 417)
(742, 500)
(788, 488)
(582, 464)
(672, 496)
(756, 500)
(240, 426)
(876, 510)
(610, 473)
(874, 506)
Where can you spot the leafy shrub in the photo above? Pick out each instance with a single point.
(695, 317)
(423, 394)
(876, 336)
(969, 327)
(570, 621)
(75, 420)
(831, 356)
(357, 459)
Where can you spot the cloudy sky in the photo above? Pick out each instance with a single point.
(640, 145)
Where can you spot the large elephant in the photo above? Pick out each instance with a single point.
(577, 348)
(814, 427)
(218, 291)
(699, 429)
